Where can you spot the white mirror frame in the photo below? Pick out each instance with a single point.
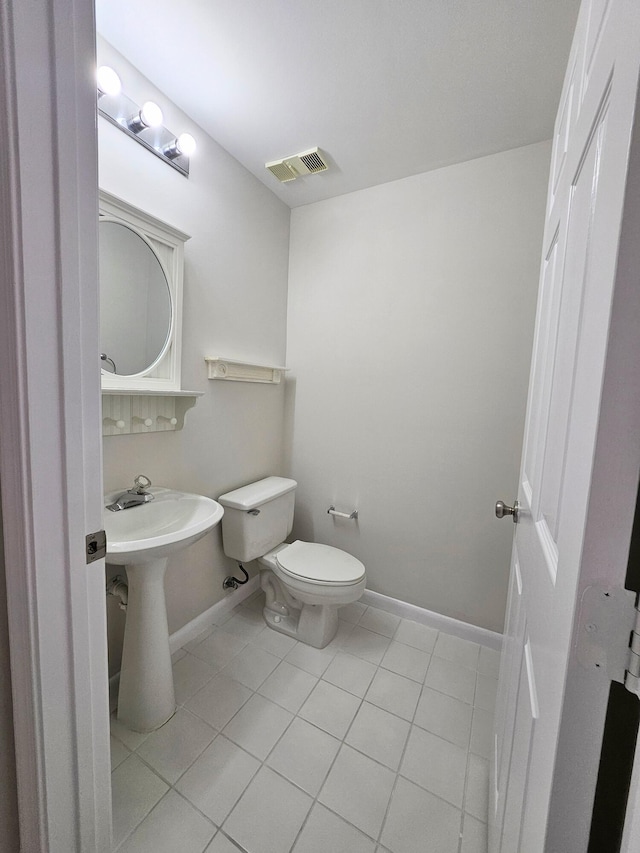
(168, 245)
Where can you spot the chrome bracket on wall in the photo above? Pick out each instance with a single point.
(118, 110)
(336, 514)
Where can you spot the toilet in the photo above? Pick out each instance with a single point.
(304, 582)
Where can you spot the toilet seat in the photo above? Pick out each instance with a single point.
(319, 564)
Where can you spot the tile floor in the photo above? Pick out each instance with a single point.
(376, 744)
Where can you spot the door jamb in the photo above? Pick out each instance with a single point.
(50, 453)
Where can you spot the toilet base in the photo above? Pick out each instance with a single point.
(313, 624)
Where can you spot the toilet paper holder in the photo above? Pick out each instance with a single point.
(333, 511)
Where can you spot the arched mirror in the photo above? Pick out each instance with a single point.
(135, 302)
(141, 263)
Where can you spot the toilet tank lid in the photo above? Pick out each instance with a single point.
(254, 494)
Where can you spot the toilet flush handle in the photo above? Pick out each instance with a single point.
(253, 512)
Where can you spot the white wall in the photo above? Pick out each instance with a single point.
(235, 292)
(410, 320)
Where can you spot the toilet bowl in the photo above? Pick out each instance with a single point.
(304, 582)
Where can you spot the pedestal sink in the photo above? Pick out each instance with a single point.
(142, 538)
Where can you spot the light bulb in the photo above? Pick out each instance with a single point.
(108, 81)
(183, 144)
(151, 114)
(186, 144)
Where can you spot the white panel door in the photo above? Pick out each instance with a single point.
(564, 419)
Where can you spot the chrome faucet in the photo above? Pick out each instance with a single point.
(133, 497)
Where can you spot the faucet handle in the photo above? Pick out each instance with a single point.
(141, 483)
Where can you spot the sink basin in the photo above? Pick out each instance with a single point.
(142, 538)
(171, 521)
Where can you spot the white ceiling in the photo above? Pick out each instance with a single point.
(386, 88)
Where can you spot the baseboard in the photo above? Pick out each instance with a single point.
(212, 616)
(114, 684)
(464, 630)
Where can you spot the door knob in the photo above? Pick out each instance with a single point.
(502, 509)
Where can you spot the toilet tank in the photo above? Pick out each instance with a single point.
(257, 517)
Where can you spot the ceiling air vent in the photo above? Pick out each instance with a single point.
(306, 163)
(282, 172)
(313, 161)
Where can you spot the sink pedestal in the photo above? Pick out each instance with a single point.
(141, 538)
(146, 697)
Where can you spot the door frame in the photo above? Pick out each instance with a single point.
(50, 437)
(50, 451)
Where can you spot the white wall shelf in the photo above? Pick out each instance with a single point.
(243, 371)
(127, 412)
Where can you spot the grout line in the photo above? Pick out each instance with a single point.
(321, 786)
(215, 731)
(232, 841)
(151, 810)
(402, 757)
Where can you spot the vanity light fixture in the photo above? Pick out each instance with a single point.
(144, 124)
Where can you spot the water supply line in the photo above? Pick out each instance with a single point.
(117, 587)
(233, 583)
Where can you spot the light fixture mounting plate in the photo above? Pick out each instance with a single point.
(118, 109)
